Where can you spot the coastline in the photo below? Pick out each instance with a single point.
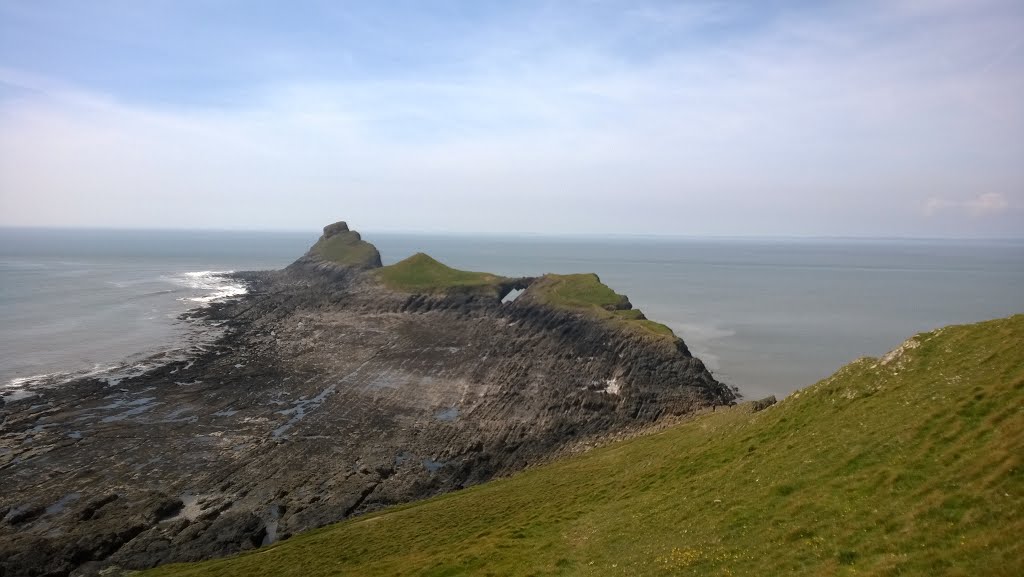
(191, 332)
(777, 315)
(417, 394)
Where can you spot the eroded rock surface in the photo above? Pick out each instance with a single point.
(327, 397)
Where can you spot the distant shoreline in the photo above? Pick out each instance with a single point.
(769, 317)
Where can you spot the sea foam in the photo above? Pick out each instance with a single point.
(215, 284)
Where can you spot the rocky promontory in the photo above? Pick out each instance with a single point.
(339, 386)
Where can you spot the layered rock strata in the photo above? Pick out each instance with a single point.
(329, 395)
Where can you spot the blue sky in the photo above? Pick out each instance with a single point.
(872, 118)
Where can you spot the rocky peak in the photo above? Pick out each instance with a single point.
(341, 247)
(334, 229)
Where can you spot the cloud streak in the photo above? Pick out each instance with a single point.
(642, 119)
(987, 204)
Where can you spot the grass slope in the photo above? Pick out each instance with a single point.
(586, 292)
(910, 465)
(421, 273)
(348, 249)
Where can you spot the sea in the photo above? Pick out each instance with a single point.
(768, 315)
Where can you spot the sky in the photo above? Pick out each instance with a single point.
(894, 118)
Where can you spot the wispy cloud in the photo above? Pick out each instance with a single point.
(987, 204)
(699, 120)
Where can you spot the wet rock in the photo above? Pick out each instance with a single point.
(168, 508)
(24, 513)
(92, 508)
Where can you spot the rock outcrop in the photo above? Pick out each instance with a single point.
(329, 395)
(762, 404)
(340, 250)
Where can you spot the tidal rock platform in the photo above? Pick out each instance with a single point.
(339, 386)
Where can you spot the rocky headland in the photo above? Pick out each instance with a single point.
(339, 386)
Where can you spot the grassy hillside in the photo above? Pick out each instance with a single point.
(586, 292)
(908, 465)
(421, 273)
(348, 249)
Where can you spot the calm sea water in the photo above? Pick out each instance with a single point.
(768, 316)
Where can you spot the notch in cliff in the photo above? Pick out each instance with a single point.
(343, 247)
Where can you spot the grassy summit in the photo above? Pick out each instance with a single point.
(906, 465)
(586, 292)
(345, 247)
(421, 273)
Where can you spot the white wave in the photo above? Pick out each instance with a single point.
(112, 374)
(22, 381)
(57, 377)
(117, 374)
(215, 285)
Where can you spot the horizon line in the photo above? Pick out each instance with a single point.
(533, 234)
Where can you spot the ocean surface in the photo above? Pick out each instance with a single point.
(766, 315)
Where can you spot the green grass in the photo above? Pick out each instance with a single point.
(576, 291)
(912, 467)
(347, 248)
(585, 292)
(420, 273)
